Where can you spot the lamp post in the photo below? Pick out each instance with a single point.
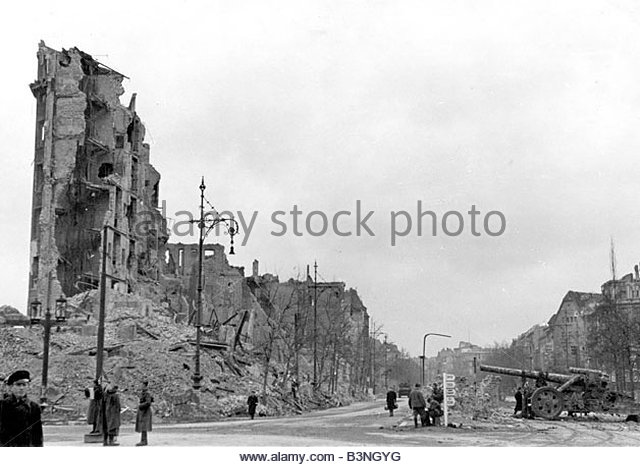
(424, 347)
(205, 225)
(45, 352)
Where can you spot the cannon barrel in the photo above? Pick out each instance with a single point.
(588, 371)
(552, 377)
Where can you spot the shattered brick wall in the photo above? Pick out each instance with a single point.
(91, 170)
(228, 305)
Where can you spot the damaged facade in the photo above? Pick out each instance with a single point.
(94, 185)
(92, 177)
(229, 308)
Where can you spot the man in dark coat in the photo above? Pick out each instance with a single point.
(434, 411)
(20, 417)
(527, 391)
(252, 402)
(94, 416)
(144, 415)
(391, 401)
(111, 416)
(418, 405)
(518, 396)
(437, 393)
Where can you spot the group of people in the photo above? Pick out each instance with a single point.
(428, 411)
(105, 408)
(21, 417)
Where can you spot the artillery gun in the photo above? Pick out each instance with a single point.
(584, 390)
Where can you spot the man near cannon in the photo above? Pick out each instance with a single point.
(526, 405)
(518, 396)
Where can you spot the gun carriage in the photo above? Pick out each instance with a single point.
(584, 390)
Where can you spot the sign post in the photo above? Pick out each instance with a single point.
(449, 387)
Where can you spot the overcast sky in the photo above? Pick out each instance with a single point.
(527, 108)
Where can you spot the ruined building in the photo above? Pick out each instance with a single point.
(92, 177)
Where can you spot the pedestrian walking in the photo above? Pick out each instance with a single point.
(94, 413)
(418, 405)
(20, 417)
(111, 416)
(518, 396)
(392, 397)
(144, 415)
(252, 402)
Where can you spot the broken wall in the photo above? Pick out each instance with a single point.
(91, 170)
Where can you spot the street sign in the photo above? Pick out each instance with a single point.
(448, 377)
(451, 401)
(450, 392)
(449, 384)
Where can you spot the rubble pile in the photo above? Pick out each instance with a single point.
(479, 400)
(143, 343)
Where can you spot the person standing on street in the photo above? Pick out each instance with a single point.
(391, 401)
(435, 411)
(418, 405)
(94, 416)
(526, 401)
(518, 396)
(111, 416)
(252, 402)
(20, 417)
(437, 393)
(144, 415)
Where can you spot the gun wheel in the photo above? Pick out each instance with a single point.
(546, 403)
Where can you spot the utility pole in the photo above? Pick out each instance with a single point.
(315, 325)
(386, 370)
(373, 346)
(102, 313)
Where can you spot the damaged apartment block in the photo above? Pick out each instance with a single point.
(92, 177)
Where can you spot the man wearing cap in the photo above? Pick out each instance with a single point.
(20, 417)
(144, 414)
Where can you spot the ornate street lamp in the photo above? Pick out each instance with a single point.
(35, 311)
(206, 223)
(61, 309)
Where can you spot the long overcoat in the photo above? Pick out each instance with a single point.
(111, 412)
(95, 405)
(145, 414)
(20, 422)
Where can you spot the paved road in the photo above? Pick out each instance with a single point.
(367, 424)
